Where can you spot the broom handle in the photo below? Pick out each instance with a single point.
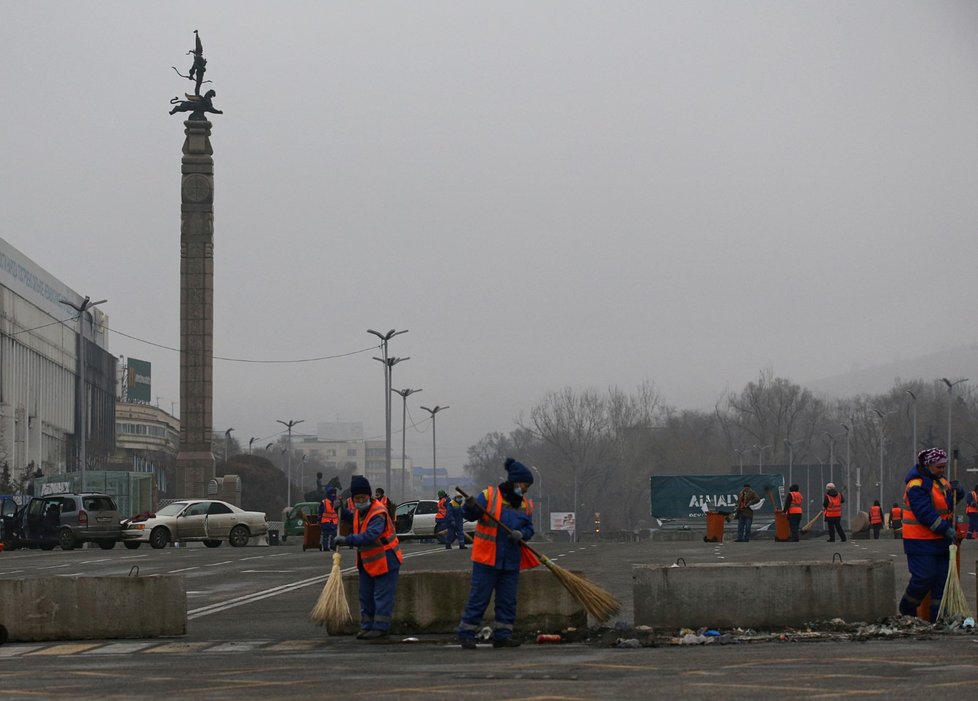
(812, 522)
(506, 528)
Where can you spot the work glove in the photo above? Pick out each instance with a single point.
(516, 536)
(340, 540)
(472, 503)
(952, 535)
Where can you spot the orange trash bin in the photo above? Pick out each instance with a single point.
(782, 527)
(312, 534)
(714, 526)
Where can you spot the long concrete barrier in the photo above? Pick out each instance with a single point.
(760, 595)
(432, 602)
(84, 608)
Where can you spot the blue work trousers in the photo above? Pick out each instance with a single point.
(455, 532)
(485, 581)
(329, 535)
(377, 599)
(972, 526)
(928, 575)
(743, 527)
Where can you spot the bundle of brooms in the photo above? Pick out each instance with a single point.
(331, 609)
(596, 601)
(954, 603)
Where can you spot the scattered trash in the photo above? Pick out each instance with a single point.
(968, 623)
(630, 642)
(549, 638)
(712, 633)
(410, 640)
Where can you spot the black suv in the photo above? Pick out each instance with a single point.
(67, 520)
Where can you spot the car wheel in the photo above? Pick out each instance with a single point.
(106, 544)
(159, 537)
(239, 536)
(212, 543)
(66, 539)
(131, 544)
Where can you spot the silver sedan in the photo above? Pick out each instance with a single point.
(206, 520)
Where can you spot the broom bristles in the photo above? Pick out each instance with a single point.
(596, 601)
(331, 609)
(953, 603)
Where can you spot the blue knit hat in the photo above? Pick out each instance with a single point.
(517, 471)
(359, 485)
(331, 493)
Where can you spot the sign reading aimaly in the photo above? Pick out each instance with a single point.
(691, 496)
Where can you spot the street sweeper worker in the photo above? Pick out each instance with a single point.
(328, 519)
(497, 557)
(928, 530)
(972, 511)
(378, 559)
(832, 508)
(794, 505)
(455, 521)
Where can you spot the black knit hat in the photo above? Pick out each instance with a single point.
(359, 485)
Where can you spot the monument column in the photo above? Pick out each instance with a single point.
(195, 461)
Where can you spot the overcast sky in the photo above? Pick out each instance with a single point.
(546, 194)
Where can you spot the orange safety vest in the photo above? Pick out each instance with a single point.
(796, 501)
(896, 514)
(875, 515)
(912, 528)
(373, 557)
(834, 509)
(442, 508)
(973, 506)
(329, 512)
(484, 542)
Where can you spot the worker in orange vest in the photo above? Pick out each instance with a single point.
(329, 518)
(928, 530)
(896, 520)
(383, 499)
(972, 511)
(378, 559)
(832, 506)
(876, 519)
(793, 506)
(497, 555)
(441, 518)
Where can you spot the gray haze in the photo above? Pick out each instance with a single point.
(547, 194)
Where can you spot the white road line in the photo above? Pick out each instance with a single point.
(266, 571)
(216, 564)
(253, 557)
(92, 562)
(73, 574)
(54, 567)
(278, 554)
(185, 569)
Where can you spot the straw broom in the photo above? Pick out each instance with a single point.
(808, 526)
(596, 601)
(954, 603)
(331, 609)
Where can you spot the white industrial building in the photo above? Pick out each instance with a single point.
(40, 415)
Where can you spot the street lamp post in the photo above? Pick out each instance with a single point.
(289, 424)
(848, 478)
(82, 389)
(540, 491)
(227, 446)
(405, 393)
(831, 455)
(913, 448)
(760, 452)
(384, 339)
(740, 453)
(251, 442)
(434, 463)
(791, 459)
(882, 415)
(950, 403)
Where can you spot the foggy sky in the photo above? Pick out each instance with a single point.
(546, 194)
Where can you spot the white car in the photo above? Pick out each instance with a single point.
(207, 520)
(416, 519)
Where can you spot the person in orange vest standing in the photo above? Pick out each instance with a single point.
(896, 520)
(328, 519)
(972, 511)
(378, 559)
(380, 496)
(793, 506)
(832, 506)
(497, 556)
(876, 519)
(928, 530)
(441, 518)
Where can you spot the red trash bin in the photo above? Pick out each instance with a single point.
(312, 534)
(714, 526)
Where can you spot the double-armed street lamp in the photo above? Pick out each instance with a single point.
(791, 458)
(740, 453)
(251, 442)
(384, 340)
(846, 428)
(227, 446)
(882, 416)
(434, 462)
(760, 453)
(405, 393)
(82, 392)
(913, 448)
(289, 424)
(950, 403)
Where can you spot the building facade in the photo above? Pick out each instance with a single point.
(41, 339)
(147, 440)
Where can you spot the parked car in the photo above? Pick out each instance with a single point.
(206, 520)
(66, 520)
(416, 519)
(294, 522)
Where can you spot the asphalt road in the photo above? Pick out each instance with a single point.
(249, 637)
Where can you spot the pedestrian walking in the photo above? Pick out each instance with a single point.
(497, 556)
(455, 521)
(378, 559)
(896, 520)
(928, 530)
(876, 519)
(745, 514)
(832, 507)
(972, 510)
(329, 519)
(794, 508)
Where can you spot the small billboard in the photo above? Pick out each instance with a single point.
(562, 521)
(138, 385)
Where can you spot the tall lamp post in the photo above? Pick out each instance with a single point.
(831, 455)
(913, 448)
(950, 403)
(434, 463)
(791, 459)
(848, 478)
(740, 452)
(227, 446)
(384, 339)
(82, 391)
(289, 424)
(882, 415)
(251, 442)
(405, 393)
(540, 490)
(760, 452)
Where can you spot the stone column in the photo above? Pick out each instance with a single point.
(195, 461)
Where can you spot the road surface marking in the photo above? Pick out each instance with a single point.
(66, 649)
(185, 569)
(120, 648)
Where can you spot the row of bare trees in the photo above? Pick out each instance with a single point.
(597, 450)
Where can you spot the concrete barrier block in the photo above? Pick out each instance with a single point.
(762, 595)
(674, 536)
(84, 608)
(432, 602)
